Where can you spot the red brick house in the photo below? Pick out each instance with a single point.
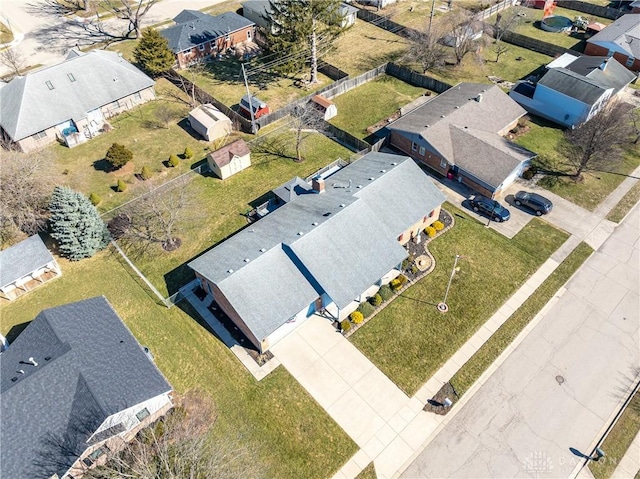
(620, 40)
(197, 36)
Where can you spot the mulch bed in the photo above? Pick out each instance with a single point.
(436, 404)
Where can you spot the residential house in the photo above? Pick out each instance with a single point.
(331, 245)
(620, 40)
(209, 122)
(460, 133)
(197, 36)
(71, 101)
(74, 385)
(258, 11)
(230, 159)
(573, 89)
(25, 266)
(635, 6)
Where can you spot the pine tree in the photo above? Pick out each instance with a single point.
(118, 155)
(153, 54)
(76, 224)
(301, 31)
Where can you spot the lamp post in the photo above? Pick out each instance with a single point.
(442, 306)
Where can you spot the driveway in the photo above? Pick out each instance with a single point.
(559, 389)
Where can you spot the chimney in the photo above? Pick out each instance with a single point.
(317, 184)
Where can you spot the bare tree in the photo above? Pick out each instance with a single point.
(164, 115)
(463, 29)
(24, 193)
(635, 120)
(426, 49)
(506, 21)
(305, 119)
(11, 58)
(598, 143)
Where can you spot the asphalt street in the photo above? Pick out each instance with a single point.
(551, 399)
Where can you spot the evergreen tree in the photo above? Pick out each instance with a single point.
(118, 156)
(76, 224)
(153, 54)
(302, 30)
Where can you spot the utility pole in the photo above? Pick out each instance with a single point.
(246, 84)
(442, 307)
(433, 6)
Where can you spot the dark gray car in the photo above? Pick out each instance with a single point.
(539, 204)
(489, 207)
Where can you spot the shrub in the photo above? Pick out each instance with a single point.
(356, 317)
(95, 199)
(397, 283)
(529, 173)
(366, 309)
(385, 292)
(345, 325)
(174, 160)
(430, 231)
(414, 269)
(121, 186)
(145, 173)
(188, 153)
(375, 300)
(438, 225)
(118, 156)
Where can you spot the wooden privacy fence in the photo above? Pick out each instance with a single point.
(416, 79)
(536, 45)
(591, 9)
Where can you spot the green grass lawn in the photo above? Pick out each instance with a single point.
(6, 35)
(368, 472)
(222, 203)
(627, 202)
(409, 340)
(498, 342)
(618, 441)
(289, 434)
(545, 139)
(372, 102)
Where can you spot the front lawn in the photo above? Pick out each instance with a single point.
(545, 139)
(288, 433)
(374, 101)
(409, 340)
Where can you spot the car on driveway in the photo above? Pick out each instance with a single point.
(539, 204)
(489, 207)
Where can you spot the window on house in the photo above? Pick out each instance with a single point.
(443, 163)
(71, 77)
(414, 146)
(49, 85)
(201, 47)
(431, 214)
(401, 237)
(422, 150)
(137, 96)
(93, 457)
(248, 34)
(40, 135)
(142, 414)
(630, 61)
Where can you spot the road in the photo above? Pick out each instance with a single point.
(560, 387)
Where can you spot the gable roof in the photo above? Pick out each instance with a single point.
(89, 367)
(224, 155)
(624, 32)
(82, 83)
(340, 242)
(208, 115)
(458, 107)
(194, 28)
(23, 258)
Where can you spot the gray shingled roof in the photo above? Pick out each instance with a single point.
(23, 258)
(89, 367)
(573, 85)
(194, 28)
(341, 242)
(28, 106)
(624, 32)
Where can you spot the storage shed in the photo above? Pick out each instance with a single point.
(230, 159)
(259, 107)
(209, 122)
(326, 106)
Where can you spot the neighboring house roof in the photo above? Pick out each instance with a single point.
(82, 83)
(261, 7)
(624, 32)
(208, 115)
(457, 114)
(339, 242)
(194, 28)
(89, 367)
(224, 155)
(22, 259)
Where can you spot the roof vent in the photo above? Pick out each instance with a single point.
(457, 107)
(246, 260)
(47, 358)
(359, 186)
(342, 205)
(300, 233)
(115, 79)
(21, 371)
(33, 361)
(441, 116)
(14, 379)
(328, 213)
(479, 97)
(371, 178)
(315, 223)
(262, 250)
(383, 171)
(393, 163)
(230, 271)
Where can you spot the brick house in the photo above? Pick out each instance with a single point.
(620, 40)
(197, 36)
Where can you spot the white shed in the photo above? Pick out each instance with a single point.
(230, 159)
(209, 122)
(325, 105)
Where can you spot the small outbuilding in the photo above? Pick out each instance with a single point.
(230, 159)
(259, 107)
(326, 106)
(25, 266)
(209, 122)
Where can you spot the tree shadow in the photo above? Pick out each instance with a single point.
(102, 165)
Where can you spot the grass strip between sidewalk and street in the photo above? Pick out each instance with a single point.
(618, 441)
(469, 373)
(368, 472)
(627, 202)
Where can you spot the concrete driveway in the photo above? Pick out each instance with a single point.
(555, 394)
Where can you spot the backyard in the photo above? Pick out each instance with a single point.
(409, 340)
(288, 434)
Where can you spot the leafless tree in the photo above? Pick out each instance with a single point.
(11, 58)
(598, 144)
(506, 21)
(186, 80)
(25, 188)
(635, 120)
(462, 30)
(426, 49)
(165, 115)
(305, 120)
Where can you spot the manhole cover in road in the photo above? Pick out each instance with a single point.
(560, 379)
